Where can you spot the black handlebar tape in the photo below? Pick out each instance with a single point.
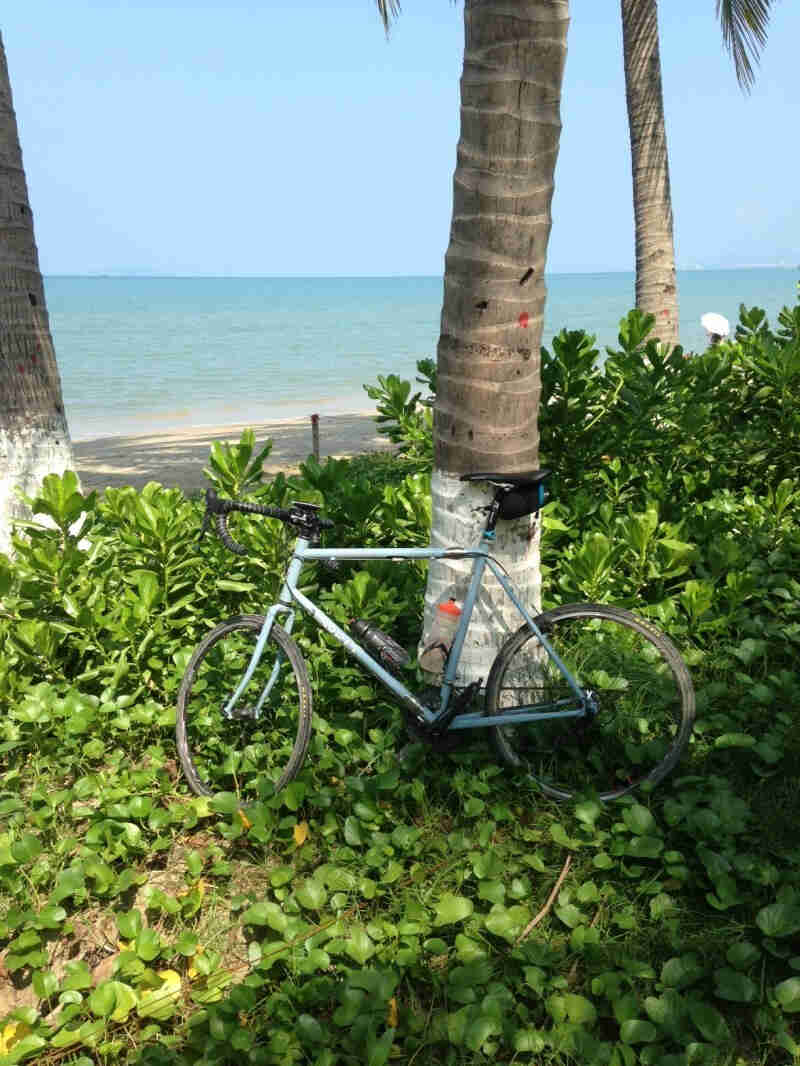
(227, 539)
(214, 505)
(257, 508)
(220, 508)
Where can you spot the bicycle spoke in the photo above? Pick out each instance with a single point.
(238, 749)
(637, 690)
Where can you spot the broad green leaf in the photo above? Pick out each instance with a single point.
(225, 584)
(26, 849)
(266, 913)
(487, 864)
(68, 883)
(742, 955)
(140, 806)
(580, 1009)
(588, 892)
(309, 1030)
(507, 922)
(638, 1031)
(639, 820)
(103, 1000)
(186, 943)
(468, 950)
(435, 946)
(451, 908)
(147, 944)
(735, 740)
(352, 831)
(603, 861)
(645, 847)
(311, 895)
(76, 976)
(570, 915)
(50, 917)
(380, 1049)
(680, 972)
(709, 1021)
(494, 891)
(729, 984)
(316, 960)
(479, 1030)
(359, 946)
(588, 811)
(788, 994)
(778, 919)
(160, 1003)
(45, 983)
(281, 875)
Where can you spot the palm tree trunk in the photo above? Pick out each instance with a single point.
(488, 354)
(656, 289)
(34, 440)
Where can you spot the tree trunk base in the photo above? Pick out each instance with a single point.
(458, 523)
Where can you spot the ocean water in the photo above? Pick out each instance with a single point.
(142, 354)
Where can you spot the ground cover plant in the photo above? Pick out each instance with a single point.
(437, 912)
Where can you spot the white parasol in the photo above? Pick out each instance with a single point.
(714, 323)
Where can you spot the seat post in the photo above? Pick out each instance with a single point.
(494, 511)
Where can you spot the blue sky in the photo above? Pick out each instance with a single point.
(232, 138)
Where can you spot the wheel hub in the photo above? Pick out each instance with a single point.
(591, 703)
(238, 713)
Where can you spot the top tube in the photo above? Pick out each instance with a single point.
(301, 552)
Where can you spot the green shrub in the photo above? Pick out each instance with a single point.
(371, 914)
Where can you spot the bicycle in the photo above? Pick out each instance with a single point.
(584, 698)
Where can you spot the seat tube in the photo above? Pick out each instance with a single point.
(453, 659)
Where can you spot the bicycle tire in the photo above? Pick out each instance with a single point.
(238, 755)
(646, 703)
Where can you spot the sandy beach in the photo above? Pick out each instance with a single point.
(177, 458)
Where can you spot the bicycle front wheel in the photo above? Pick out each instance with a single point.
(638, 687)
(251, 747)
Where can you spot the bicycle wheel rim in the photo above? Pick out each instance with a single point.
(644, 703)
(255, 751)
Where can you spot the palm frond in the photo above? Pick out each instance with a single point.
(744, 33)
(388, 9)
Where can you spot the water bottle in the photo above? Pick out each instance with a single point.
(443, 629)
(391, 654)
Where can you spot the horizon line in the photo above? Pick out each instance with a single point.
(146, 275)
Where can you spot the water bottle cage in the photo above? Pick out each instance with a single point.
(438, 646)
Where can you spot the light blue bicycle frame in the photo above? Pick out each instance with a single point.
(290, 596)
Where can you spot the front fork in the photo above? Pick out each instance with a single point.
(284, 605)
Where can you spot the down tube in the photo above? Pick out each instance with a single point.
(548, 647)
(397, 687)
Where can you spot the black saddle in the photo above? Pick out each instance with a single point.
(516, 481)
(517, 495)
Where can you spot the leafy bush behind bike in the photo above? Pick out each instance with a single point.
(676, 490)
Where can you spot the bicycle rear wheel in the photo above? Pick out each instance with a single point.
(251, 749)
(641, 688)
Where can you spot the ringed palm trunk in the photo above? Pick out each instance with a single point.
(34, 440)
(485, 417)
(656, 288)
